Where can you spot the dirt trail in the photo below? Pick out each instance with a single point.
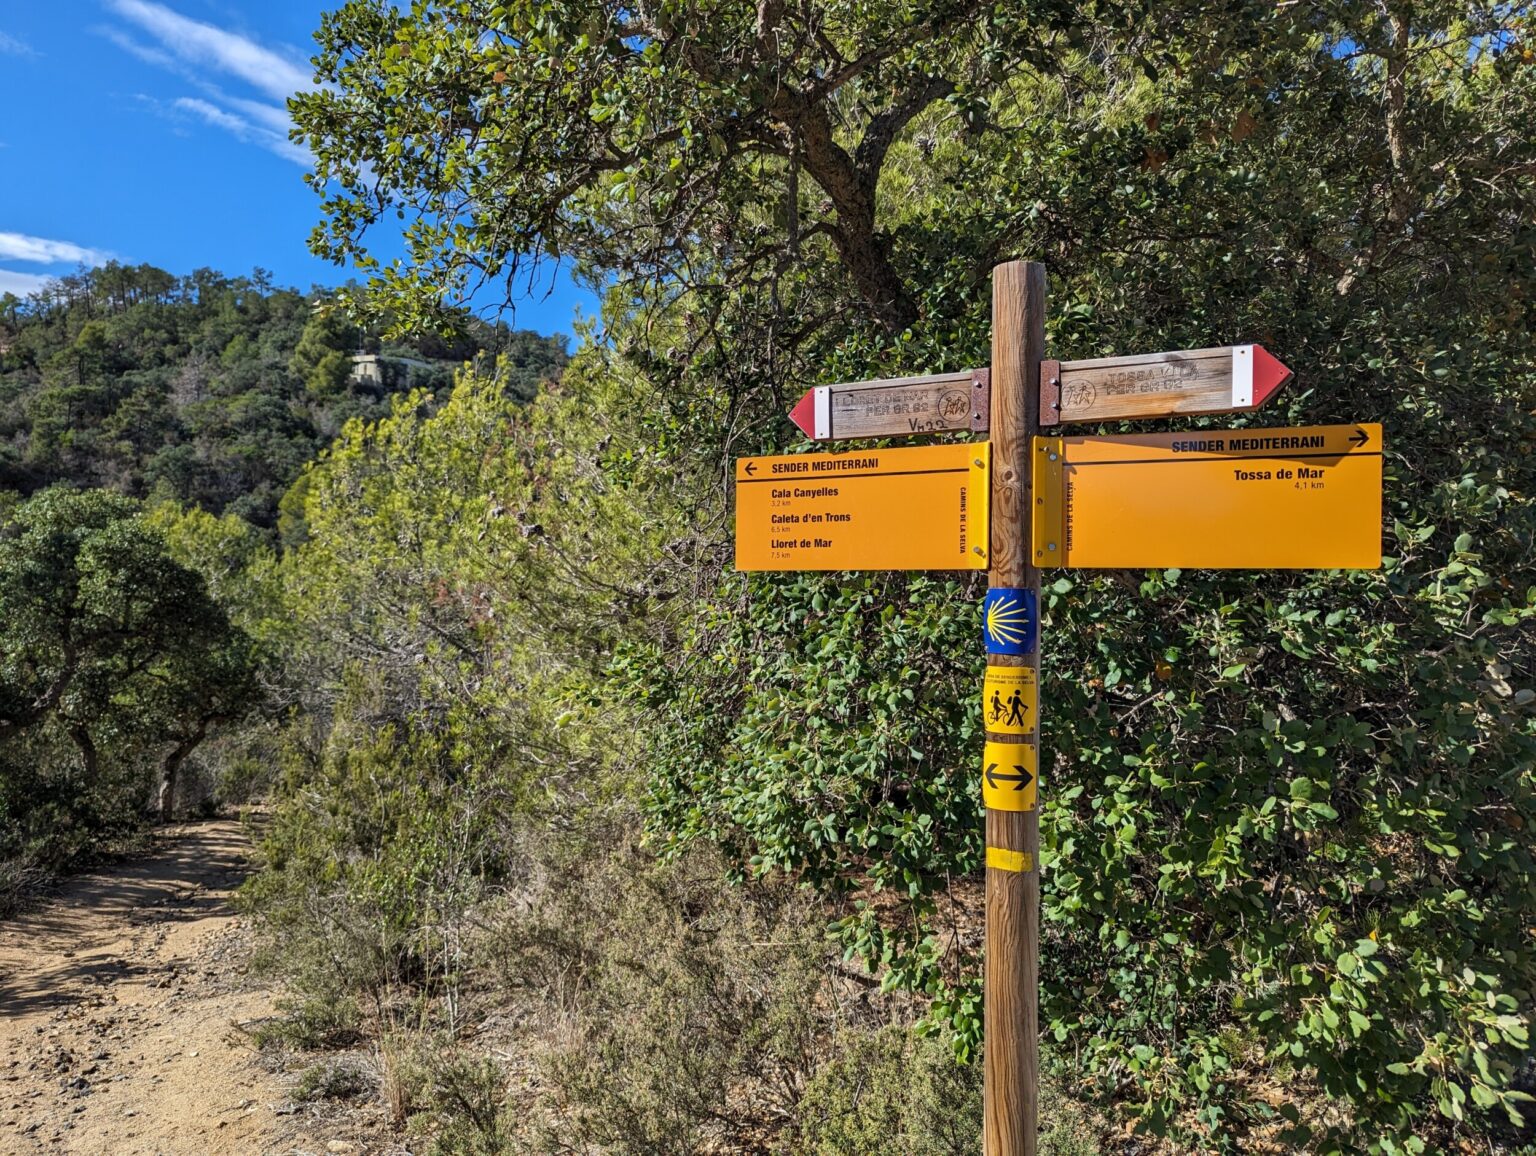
(117, 1005)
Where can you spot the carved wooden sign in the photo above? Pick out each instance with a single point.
(895, 407)
(1226, 379)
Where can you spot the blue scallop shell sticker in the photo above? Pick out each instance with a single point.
(1010, 620)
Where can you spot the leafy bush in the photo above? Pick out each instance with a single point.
(694, 1008)
(116, 663)
(459, 1102)
(310, 1025)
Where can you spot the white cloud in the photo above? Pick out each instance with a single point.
(278, 74)
(193, 50)
(42, 251)
(243, 129)
(21, 284)
(11, 46)
(143, 51)
(269, 116)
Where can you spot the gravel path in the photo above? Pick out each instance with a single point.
(119, 1002)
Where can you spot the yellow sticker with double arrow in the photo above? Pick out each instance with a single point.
(1008, 776)
(1010, 700)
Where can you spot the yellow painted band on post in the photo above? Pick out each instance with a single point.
(1010, 700)
(1004, 860)
(1008, 776)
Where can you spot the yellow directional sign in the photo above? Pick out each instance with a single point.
(1008, 776)
(1008, 700)
(1301, 498)
(916, 508)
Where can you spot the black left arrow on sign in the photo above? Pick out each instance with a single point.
(1019, 781)
(750, 468)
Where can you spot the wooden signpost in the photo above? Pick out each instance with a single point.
(1276, 498)
(1186, 382)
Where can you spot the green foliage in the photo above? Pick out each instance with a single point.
(889, 1090)
(209, 390)
(459, 1102)
(309, 1025)
(322, 359)
(1286, 817)
(342, 1078)
(443, 626)
(822, 729)
(115, 663)
(697, 1017)
(892, 1091)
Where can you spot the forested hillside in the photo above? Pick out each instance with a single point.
(580, 841)
(206, 389)
(150, 427)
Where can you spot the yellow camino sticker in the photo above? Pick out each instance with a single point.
(1010, 700)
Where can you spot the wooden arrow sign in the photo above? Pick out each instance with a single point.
(895, 406)
(1227, 379)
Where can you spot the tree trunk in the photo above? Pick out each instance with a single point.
(855, 235)
(170, 767)
(89, 759)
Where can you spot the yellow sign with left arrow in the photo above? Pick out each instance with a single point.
(915, 508)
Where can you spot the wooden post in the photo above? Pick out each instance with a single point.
(1012, 963)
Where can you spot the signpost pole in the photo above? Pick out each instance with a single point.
(1012, 961)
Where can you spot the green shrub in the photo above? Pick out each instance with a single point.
(462, 1106)
(891, 1091)
(310, 1025)
(696, 1007)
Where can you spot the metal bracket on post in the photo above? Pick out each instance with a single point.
(981, 399)
(1048, 528)
(1050, 392)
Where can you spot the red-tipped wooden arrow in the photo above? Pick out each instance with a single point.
(804, 414)
(1269, 374)
(1184, 382)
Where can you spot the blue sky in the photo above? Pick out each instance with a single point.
(154, 130)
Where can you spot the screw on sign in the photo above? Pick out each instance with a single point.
(1244, 498)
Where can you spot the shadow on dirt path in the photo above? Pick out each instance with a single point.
(118, 1006)
(46, 956)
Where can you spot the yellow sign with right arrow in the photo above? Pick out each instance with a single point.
(1243, 499)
